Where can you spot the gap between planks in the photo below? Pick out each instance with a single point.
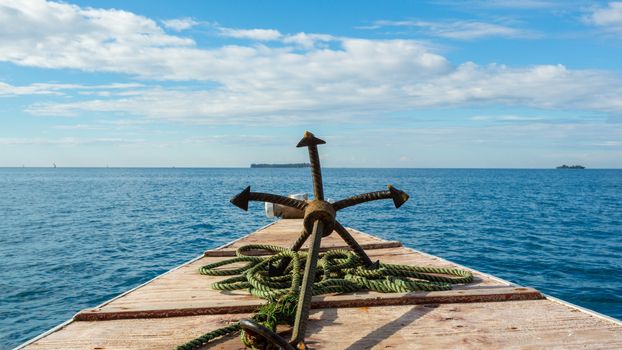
(366, 246)
(490, 294)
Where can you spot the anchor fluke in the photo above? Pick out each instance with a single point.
(310, 140)
(399, 197)
(241, 199)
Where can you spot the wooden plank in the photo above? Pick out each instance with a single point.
(285, 232)
(185, 292)
(366, 246)
(521, 324)
(474, 295)
(493, 294)
(443, 321)
(138, 334)
(539, 324)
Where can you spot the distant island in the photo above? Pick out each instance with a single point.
(287, 165)
(571, 167)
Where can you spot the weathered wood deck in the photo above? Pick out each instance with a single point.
(488, 314)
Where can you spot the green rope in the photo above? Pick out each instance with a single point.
(338, 271)
(202, 340)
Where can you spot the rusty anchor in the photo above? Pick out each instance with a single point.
(319, 221)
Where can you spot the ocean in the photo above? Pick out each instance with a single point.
(71, 238)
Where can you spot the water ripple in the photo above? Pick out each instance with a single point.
(73, 238)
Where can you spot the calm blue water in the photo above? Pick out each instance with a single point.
(73, 238)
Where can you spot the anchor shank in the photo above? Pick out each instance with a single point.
(316, 173)
(306, 292)
(310, 141)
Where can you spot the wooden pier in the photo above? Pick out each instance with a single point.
(488, 314)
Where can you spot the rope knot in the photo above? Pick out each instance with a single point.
(281, 311)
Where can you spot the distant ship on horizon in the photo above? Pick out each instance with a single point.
(570, 167)
(286, 165)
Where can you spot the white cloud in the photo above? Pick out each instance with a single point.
(10, 90)
(609, 18)
(237, 139)
(563, 134)
(537, 144)
(66, 141)
(459, 30)
(58, 35)
(305, 40)
(544, 86)
(313, 97)
(115, 124)
(608, 143)
(78, 127)
(466, 30)
(60, 89)
(505, 118)
(308, 41)
(252, 34)
(297, 78)
(180, 24)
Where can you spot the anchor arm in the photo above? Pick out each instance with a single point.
(295, 247)
(356, 247)
(399, 198)
(241, 199)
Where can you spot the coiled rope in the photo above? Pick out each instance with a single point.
(338, 271)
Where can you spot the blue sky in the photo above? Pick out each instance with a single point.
(518, 84)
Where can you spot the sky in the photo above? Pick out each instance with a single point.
(416, 84)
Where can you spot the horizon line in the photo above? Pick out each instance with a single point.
(324, 167)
